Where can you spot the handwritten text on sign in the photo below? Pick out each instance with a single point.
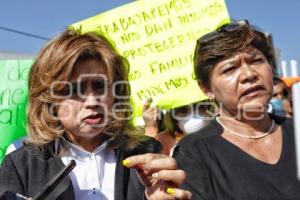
(158, 39)
(13, 95)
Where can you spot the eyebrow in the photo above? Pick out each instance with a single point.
(255, 52)
(225, 63)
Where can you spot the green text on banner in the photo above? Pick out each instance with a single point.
(13, 99)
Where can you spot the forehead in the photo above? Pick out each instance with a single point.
(89, 68)
(248, 52)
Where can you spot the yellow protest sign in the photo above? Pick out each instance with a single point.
(158, 39)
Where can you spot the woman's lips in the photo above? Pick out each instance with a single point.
(253, 91)
(93, 119)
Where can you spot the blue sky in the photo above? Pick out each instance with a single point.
(47, 18)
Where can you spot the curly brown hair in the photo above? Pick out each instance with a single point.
(55, 63)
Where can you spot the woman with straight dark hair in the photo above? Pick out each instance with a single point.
(245, 153)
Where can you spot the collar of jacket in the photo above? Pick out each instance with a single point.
(122, 174)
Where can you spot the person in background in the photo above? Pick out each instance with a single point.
(152, 117)
(246, 152)
(280, 103)
(175, 123)
(280, 89)
(78, 111)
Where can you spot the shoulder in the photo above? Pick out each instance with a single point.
(288, 121)
(208, 133)
(24, 152)
(19, 164)
(288, 128)
(15, 145)
(31, 160)
(285, 122)
(197, 145)
(30, 153)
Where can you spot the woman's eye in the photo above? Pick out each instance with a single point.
(228, 70)
(69, 90)
(77, 89)
(99, 85)
(74, 90)
(257, 60)
(65, 91)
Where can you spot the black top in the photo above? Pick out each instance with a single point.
(28, 169)
(218, 170)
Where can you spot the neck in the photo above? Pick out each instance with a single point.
(247, 126)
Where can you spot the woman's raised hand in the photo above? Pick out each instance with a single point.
(160, 176)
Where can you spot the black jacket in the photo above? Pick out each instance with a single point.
(28, 169)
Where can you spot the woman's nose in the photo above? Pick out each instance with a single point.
(91, 100)
(248, 74)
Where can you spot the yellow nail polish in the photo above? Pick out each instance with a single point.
(171, 191)
(126, 162)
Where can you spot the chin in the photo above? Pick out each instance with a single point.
(259, 103)
(253, 110)
(91, 132)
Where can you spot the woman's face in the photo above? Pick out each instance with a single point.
(279, 91)
(242, 83)
(84, 113)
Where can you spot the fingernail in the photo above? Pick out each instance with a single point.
(155, 175)
(126, 162)
(171, 191)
